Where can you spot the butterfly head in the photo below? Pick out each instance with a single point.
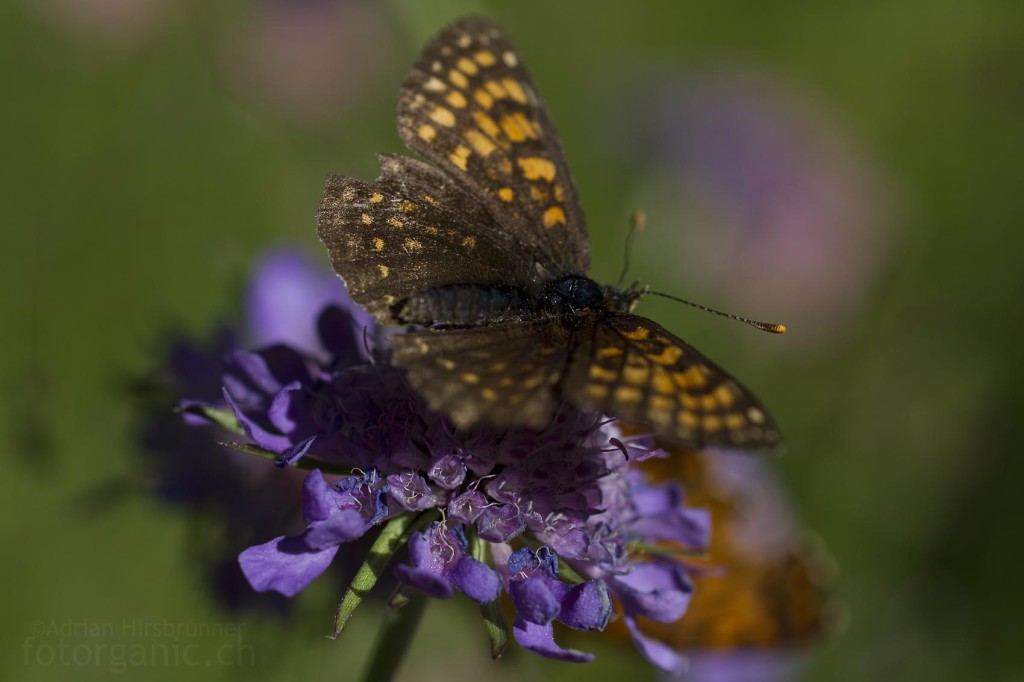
(623, 300)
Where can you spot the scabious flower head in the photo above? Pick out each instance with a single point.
(557, 518)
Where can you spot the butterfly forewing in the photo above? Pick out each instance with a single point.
(410, 230)
(630, 367)
(470, 106)
(499, 374)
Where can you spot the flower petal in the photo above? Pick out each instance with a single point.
(285, 294)
(468, 506)
(587, 606)
(658, 653)
(284, 564)
(540, 639)
(476, 580)
(658, 590)
(686, 525)
(411, 491)
(500, 524)
(533, 600)
(342, 526)
(343, 337)
(265, 439)
(449, 471)
(282, 407)
(317, 497)
(433, 584)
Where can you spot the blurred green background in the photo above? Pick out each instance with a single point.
(851, 169)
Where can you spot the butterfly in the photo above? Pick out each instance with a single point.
(764, 583)
(483, 254)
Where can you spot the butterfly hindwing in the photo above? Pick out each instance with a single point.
(469, 106)
(499, 374)
(628, 366)
(410, 230)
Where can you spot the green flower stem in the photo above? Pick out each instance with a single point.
(396, 633)
(393, 536)
(494, 620)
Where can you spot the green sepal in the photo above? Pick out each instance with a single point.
(671, 552)
(496, 627)
(568, 574)
(306, 463)
(249, 449)
(216, 415)
(392, 538)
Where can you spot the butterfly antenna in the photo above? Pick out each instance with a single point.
(772, 327)
(637, 220)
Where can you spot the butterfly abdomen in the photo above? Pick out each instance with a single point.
(462, 305)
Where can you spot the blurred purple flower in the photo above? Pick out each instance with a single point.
(569, 491)
(308, 59)
(115, 22)
(788, 215)
(284, 301)
(191, 472)
(743, 666)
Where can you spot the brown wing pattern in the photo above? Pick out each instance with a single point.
(470, 107)
(632, 368)
(499, 375)
(409, 230)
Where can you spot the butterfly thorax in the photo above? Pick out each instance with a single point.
(575, 295)
(570, 295)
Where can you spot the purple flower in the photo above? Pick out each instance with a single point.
(541, 598)
(288, 564)
(516, 506)
(439, 564)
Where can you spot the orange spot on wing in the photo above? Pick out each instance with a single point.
(456, 99)
(512, 129)
(554, 216)
(638, 334)
(483, 98)
(459, 156)
(458, 79)
(481, 143)
(495, 89)
(537, 168)
(486, 124)
(485, 58)
(467, 66)
(515, 90)
(443, 117)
